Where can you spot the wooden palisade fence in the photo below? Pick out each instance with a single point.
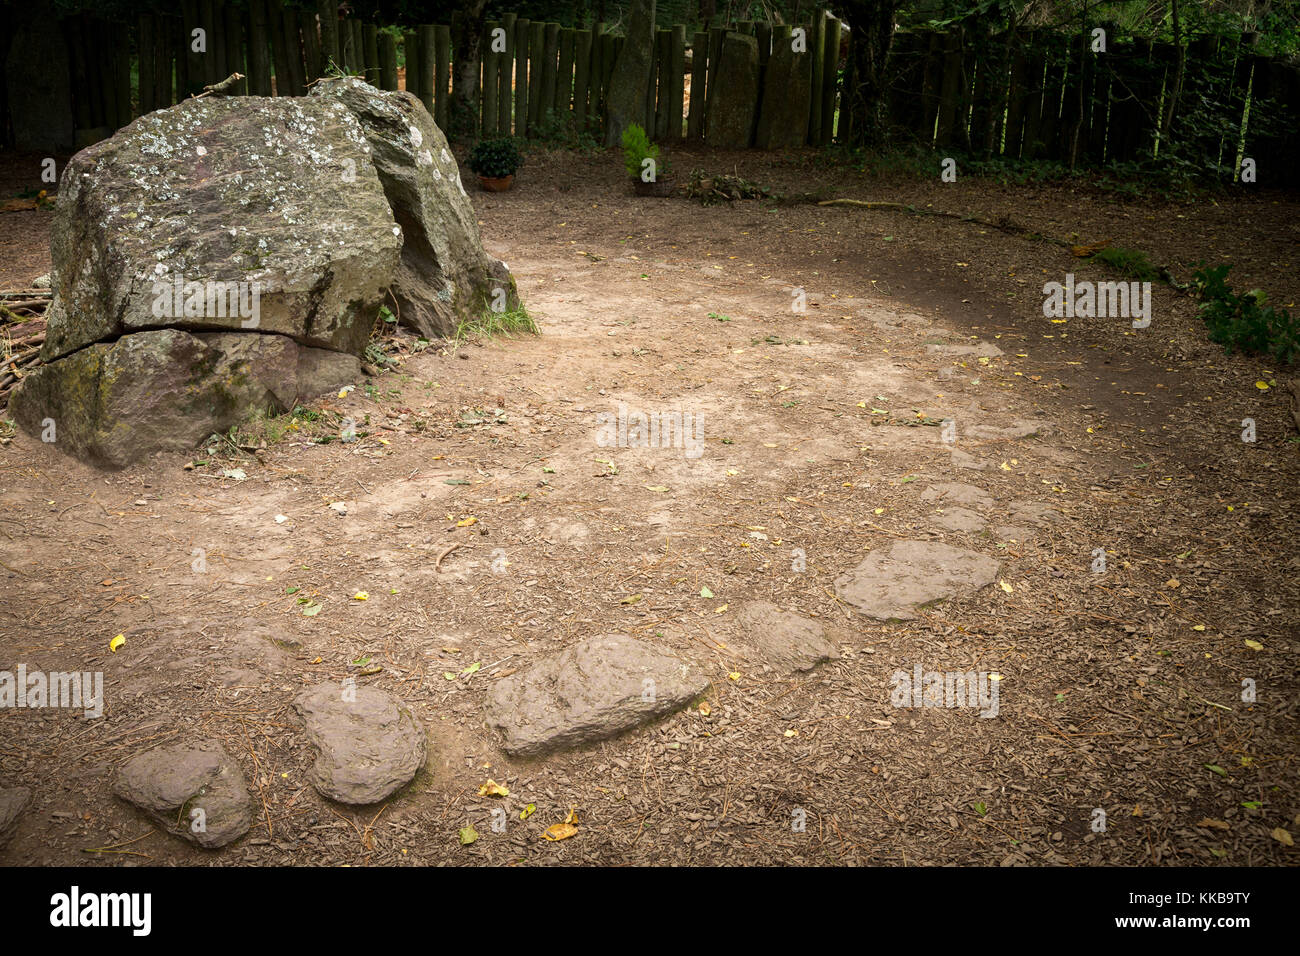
(1037, 95)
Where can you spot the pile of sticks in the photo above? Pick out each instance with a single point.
(22, 333)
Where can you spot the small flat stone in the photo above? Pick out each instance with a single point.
(954, 493)
(1035, 511)
(959, 519)
(890, 584)
(593, 690)
(13, 801)
(170, 783)
(369, 743)
(982, 349)
(789, 642)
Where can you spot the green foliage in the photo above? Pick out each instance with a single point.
(495, 158)
(510, 322)
(637, 148)
(1245, 322)
(1130, 262)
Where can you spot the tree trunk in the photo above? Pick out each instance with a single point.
(467, 35)
(872, 25)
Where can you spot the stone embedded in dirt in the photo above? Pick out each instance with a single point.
(961, 459)
(959, 519)
(167, 390)
(1035, 511)
(1019, 429)
(787, 641)
(783, 118)
(370, 744)
(444, 276)
(13, 801)
(593, 690)
(892, 583)
(729, 122)
(982, 350)
(950, 493)
(191, 790)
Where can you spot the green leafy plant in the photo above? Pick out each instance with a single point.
(637, 148)
(1245, 321)
(1130, 262)
(495, 158)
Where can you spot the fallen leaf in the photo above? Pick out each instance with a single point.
(361, 596)
(705, 709)
(634, 599)
(1005, 586)
(116, 642)
(1282, 836)
(1254, 645)
(705, 593)
(560, 831)
(527, 811)
(1213, 824)
(468, 835)
(467, 522)
(493, 789)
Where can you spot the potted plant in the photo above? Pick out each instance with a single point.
(494, 161)
(649, 172)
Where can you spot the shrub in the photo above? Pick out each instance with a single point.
(1245, 322)
(495, 158)
(637, 148)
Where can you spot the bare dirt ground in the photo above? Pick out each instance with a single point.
(1120, 690)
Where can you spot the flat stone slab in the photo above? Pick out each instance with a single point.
(951, 493)
(1017, 429)
(890, 584)
(591, 691)
(982, 350)
(789, 642)
(959, 519)
(13, 801)
(1035, 511)
(191, 790)
(370, 744)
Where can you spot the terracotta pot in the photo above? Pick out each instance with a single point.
(496, 184)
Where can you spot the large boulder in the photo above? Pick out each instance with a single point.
(229, 256)
(275, 199)
(444, 275)
(167, 390)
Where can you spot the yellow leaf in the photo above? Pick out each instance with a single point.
(732, 471)
(449, 675)
(1282, 836)
(734, 675)
(1172, 583)
(1198, 627)
(1262, 386)
(634, 599)
(1005, 586)
(466, 522)
(560, 831)
(527, 811)
(719, 610)
(572, 816)
(361, 596)
(1004, 466)
(879, 511)
(1254, 645)
(116, 642)
(493, 789)
(705, 709)
(792, 733)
